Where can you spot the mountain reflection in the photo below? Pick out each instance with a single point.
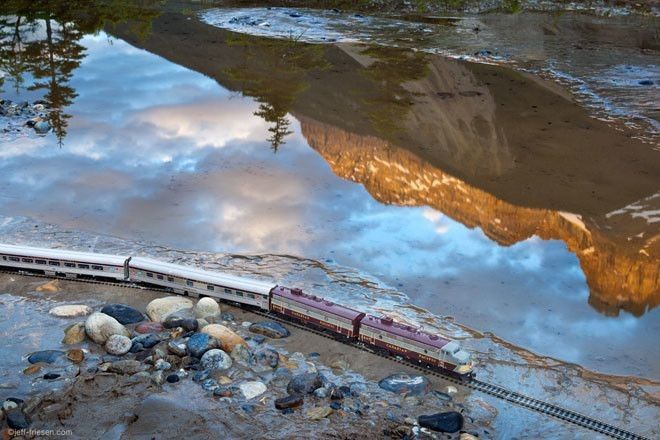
(490, 148)
(40, 45)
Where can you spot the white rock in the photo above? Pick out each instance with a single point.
(118, 345)
(71, 311)
(206, 307)
(99, 327)
(252, 389)
(451, 390)
(160, 308)
(216, 360)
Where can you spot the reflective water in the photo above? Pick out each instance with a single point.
(255, 147)
(611, 63)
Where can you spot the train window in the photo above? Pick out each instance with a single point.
(426, 351)
(28, 260)
(150, 275)
(14, 259)
(170, 279)
(227, 290)
(380, 336)
(83, 266)
(209, 287)
(4, 258)
(40, 261)
(97, 267)
(70, 264)
(239, 293)
(189, 283)
(160, 277)
(54, 263)
(249, 295)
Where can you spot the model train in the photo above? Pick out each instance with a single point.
(383, 333)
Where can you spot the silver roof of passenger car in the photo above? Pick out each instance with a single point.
(62, 254)
(205, 276)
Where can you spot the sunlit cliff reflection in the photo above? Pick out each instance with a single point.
(622, 271)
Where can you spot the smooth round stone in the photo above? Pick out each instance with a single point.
(123, 313)
(160, 308)
(70, 311)
(118, 345)
(200, 343)
(206, 307)
(173, 378)
(335, 405)
(74, 334)
(228, 339)
(32, 369)
(252, 389)
(177, 347)
(188, 324)
(149, 327)
(305, 383)
(45, 356)
(270, 329)
(216, 360)
(99, 327)
(291, 401)
(125, 366)
(451, 421)
(404, 383)
(75, 355)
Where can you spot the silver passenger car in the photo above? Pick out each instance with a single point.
(198, 282)
(68, 263)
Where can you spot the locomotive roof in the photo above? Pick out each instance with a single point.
(62, 254)
(317, 303)
(406, 331)
(234, 282)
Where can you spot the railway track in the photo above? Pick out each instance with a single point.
(497, 391)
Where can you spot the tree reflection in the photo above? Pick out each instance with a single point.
(274, 72)
(40, 45)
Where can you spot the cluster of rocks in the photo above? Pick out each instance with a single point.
(233, 362)
(17, 117)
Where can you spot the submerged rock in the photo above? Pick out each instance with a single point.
(305, 383)
(123, 314)
(451, 421)
(271, 329)
(118, 345)
(216, 360)
(126, 366)
(16, 419)
(226, 337)
(252, 389)
(45, 356)
(206, 307)
(70, 311)
(74, 334)
(160, 308)
(290, 401)
(75, 355)
(200, 343)
(99, 327)
(401, 383)
(318, 413)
